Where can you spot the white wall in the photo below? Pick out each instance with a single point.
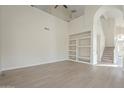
(98, 40)
(77, 25)
(102, 39)
(24, 40)
(84, 22)
(109, 29)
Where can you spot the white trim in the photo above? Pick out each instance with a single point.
(85, 57)
(72, 60)
(72, 45)
(72, 50)
(84, 46)
(80, 61)
(72, 39)
(84, 62)
(12, 68)
(86, 30)
(72, 55)
(87, 37)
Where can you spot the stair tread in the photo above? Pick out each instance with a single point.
(108, 55)
(107, 60)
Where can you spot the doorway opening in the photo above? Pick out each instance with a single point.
(105, 47)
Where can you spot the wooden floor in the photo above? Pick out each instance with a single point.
(64, 75)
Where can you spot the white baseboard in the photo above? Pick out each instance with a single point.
(12, 68)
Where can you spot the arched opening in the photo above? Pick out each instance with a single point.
(99, 37)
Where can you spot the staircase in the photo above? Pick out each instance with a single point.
(108, 55)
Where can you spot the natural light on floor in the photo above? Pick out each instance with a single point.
(108, 65)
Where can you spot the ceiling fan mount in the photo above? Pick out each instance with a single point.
(65, 6)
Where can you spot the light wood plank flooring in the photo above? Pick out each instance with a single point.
(64, 75)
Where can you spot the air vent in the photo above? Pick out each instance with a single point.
(73, 11)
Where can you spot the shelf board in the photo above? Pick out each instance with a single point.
(72, 55)
(72, 39)
(72, 45)
(73, 60)
(84, 57)
(85, 46)
(88, 37)
(88, 31)
(72, 50)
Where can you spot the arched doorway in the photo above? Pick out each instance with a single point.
(99, 38)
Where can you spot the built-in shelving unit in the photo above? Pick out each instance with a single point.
(80, 47)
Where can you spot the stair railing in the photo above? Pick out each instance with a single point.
(119, 53)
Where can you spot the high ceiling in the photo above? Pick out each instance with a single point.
(67, 14)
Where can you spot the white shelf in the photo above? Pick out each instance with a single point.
(72, 45)
(72, 60)
(80, 41)
(84, 57)
(72, 50)
(88, 37)
(72, 39)
(85, 46)
(84, 32)
(72, 55)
